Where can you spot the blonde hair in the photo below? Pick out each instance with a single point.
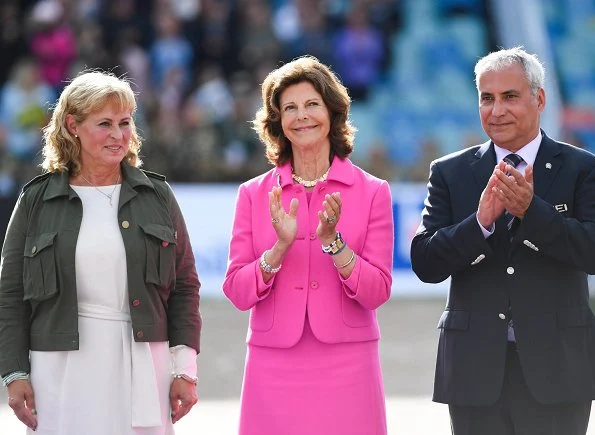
(87, 93)
(335, 96)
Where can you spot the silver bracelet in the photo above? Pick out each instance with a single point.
(14, 376)
(193, 380)
(266, 267)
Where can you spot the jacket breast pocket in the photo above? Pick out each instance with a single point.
(39, 267)
(160, 244)
(454, 320)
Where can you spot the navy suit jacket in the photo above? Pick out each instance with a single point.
(541, 274)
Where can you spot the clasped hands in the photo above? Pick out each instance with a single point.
(507, 190)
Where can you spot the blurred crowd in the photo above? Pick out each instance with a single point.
(195, 64)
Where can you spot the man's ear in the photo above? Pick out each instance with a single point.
(541, 99)
(71, 124)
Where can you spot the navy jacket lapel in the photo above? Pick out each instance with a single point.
(546, 166)
(483, 166)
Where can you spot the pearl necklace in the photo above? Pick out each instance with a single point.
(107, 195)
(309, 183)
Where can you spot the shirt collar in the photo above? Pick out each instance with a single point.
(528, 152)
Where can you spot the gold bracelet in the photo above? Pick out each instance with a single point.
(343, 266)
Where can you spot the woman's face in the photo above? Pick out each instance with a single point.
(104, 136)
(305, 119)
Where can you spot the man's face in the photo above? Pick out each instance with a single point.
(508, 110)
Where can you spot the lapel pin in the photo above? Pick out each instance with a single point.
(548, 165)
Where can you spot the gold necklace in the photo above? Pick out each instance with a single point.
(107, 195)
(309, 183)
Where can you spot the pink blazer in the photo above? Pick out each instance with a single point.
(339, 310)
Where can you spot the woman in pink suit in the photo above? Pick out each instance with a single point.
(311, 257)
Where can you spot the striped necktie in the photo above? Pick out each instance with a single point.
(512, 222)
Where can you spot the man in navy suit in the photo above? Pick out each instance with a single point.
(512, 223)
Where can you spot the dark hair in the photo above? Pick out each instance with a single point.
(267, 122)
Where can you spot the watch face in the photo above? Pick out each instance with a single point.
(335, 246)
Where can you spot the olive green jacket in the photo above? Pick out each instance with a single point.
(38, 297)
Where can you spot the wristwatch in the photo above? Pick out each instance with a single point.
(335, 246)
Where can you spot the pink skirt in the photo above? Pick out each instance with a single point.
(313, 388)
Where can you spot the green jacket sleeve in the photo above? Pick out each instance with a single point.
(183, 317)
(14, 311)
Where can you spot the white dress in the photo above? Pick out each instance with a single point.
(112, 384)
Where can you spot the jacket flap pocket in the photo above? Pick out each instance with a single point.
(35, 244)
(454, 319)
(579, 316)
(161, 232)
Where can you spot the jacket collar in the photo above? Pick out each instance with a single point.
(342, 170)
(58, 184)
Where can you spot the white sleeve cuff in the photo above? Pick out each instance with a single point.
(184, 360)
(486, 232)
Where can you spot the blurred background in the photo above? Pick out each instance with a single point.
(197, 66)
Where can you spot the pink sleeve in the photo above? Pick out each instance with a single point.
(371, 279)
(244, 284)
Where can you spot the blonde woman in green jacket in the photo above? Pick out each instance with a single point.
(99, 302)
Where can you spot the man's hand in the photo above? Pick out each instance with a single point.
(490, 205)
(513, 189)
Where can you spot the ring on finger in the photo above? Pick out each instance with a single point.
(331, 219)
(275, 220)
